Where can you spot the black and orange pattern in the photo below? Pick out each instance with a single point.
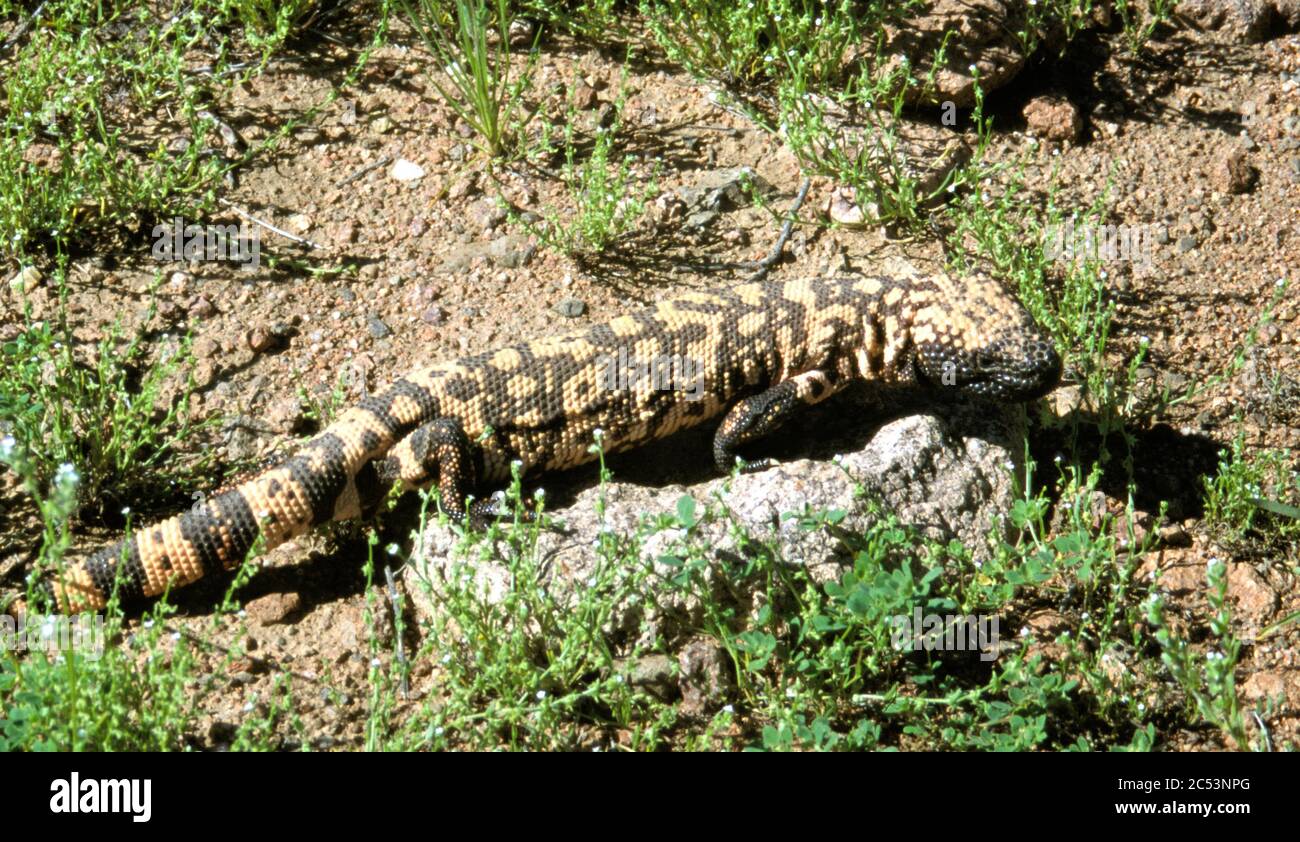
(761, 351)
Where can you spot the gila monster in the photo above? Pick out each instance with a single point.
(759, 350)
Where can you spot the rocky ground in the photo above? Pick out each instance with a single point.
(1198, 139)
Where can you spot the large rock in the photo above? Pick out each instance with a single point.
(1248, 20)
(1053, 118)
(983, 36)
(950, 475)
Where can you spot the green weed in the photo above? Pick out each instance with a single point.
(116, 414)
(473, 53)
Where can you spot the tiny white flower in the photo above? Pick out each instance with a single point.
(375, 662)
(728, 709)
(541, 694)
(126, 510)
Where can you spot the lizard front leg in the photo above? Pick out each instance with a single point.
(756, 416)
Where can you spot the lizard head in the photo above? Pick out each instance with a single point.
(984, 344)
(1007, 369)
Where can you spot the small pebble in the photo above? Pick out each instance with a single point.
(377, 328)
(406, 171)
(260, 339)
(571, 308)
(202, 308)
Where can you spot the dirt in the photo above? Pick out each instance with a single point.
(1166, 132)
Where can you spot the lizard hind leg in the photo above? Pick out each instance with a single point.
(439, 452)
(435, 452)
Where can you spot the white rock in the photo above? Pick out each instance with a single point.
(404, 170)
(26, 280)
(300, 223)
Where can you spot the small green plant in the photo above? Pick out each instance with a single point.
(130, 697)
(72, 159)
(1041, 17)
(269, 23)
(1139, 25)
(1007, 229)
(605, 198)
(1253, 496)
(473, 54)
(1209, 678)
(741, 44)
(117, 415)
(853, 137)
(594, 19)
(529, 666)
